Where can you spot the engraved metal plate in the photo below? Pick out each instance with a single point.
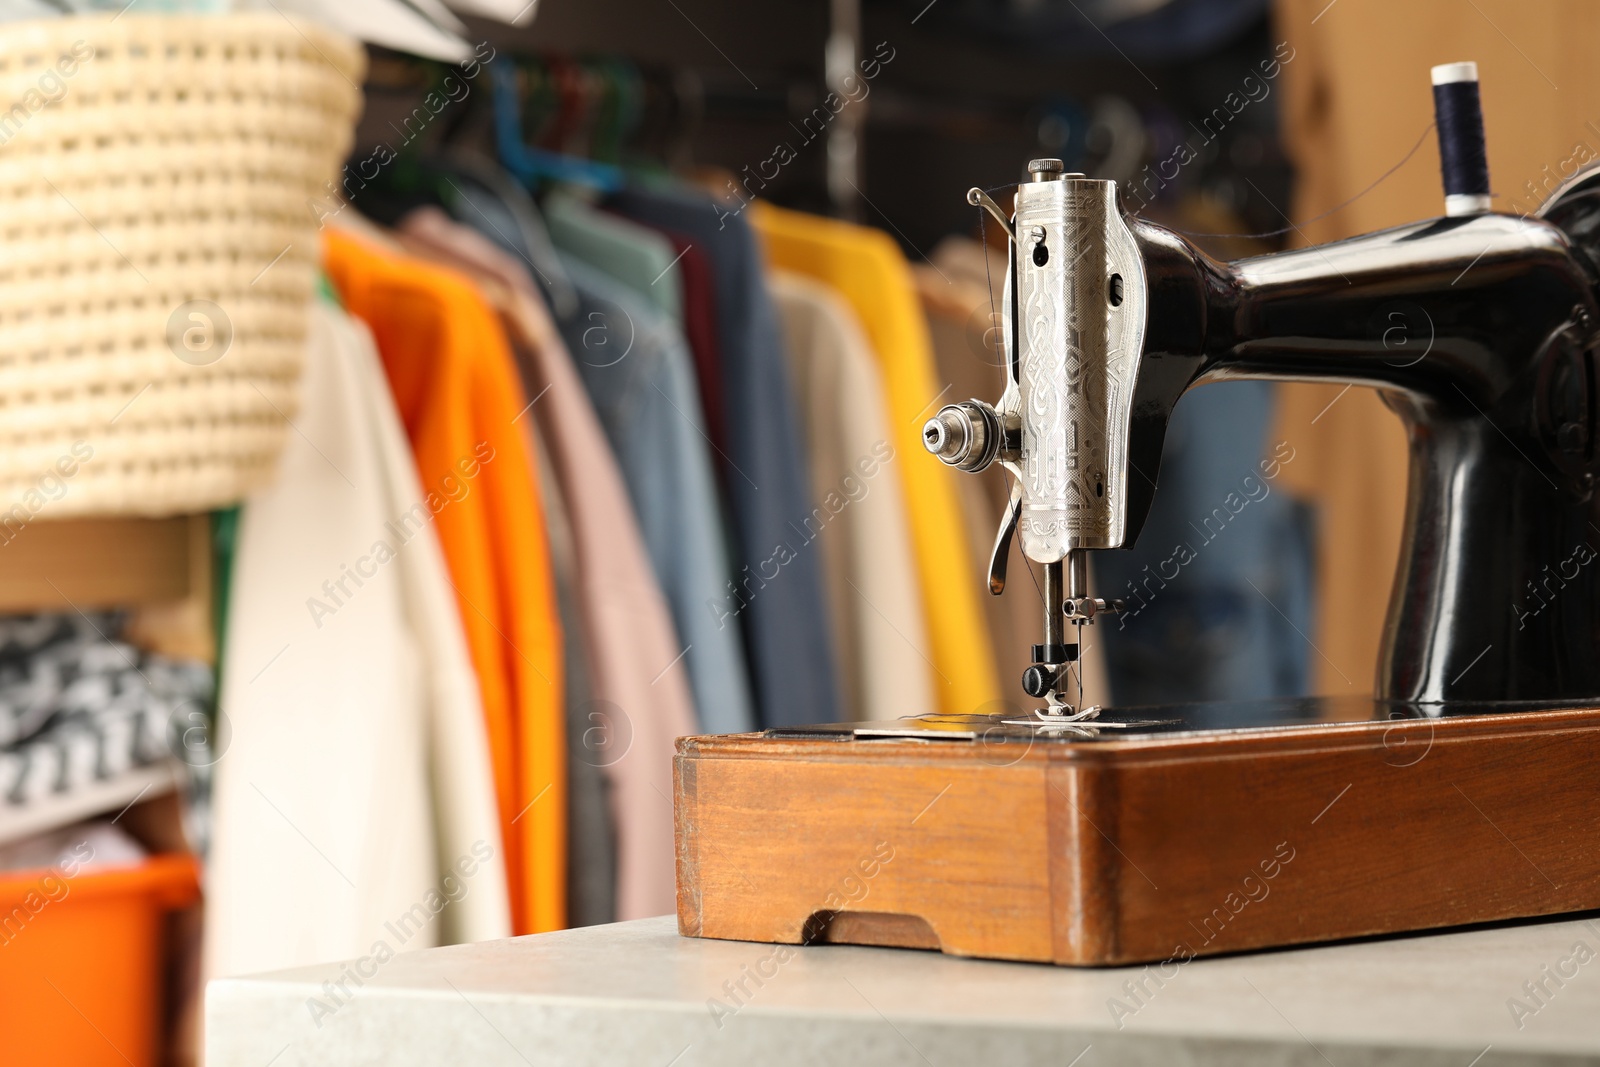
(1078, 354)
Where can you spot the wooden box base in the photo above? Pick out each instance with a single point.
(1131, 846)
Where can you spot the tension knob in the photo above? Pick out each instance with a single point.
(966, 436)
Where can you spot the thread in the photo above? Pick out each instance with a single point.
(1292, 227)
(1005, 361)
(1463, 158)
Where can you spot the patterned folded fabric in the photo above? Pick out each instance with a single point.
(80, 708)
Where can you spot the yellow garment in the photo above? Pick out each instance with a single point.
(1356, 96)
(867, 269)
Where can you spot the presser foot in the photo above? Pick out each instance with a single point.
(1045, 680)
(1057, 713)
(1060, 719)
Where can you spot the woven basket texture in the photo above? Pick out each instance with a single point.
(148, 162)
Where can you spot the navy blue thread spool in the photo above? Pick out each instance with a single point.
(1463, 158)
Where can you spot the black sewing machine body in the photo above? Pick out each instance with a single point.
(1481, 332)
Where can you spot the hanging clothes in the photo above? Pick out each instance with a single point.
(483, 196)
(591, 833)
(640, 694)
(455, 385)
(858, 513)
(868, 270)
(637, 375)
(777, 594)
(639, 258)
(355, 783)
(641, 385)
(700, 331)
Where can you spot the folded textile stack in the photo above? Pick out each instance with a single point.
(86, 719)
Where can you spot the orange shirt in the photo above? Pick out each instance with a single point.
(456, 388)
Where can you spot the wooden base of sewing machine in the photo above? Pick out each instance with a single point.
(1138, 845)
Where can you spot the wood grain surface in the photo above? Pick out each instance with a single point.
(1140, 850)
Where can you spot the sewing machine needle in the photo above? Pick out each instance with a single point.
(1080, 666)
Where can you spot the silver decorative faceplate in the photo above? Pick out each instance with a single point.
(1078, 355)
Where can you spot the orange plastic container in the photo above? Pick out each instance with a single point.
(81, 961)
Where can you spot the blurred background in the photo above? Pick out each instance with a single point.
(417, 414)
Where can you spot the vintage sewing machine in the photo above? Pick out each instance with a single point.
(1464, 791)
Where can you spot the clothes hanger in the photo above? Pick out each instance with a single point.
(475, 175)
(530, 163)
(621, 118)
(572, 104)
(600, 112)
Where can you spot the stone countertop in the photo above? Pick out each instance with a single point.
(636, 993)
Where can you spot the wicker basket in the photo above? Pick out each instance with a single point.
(174, 161)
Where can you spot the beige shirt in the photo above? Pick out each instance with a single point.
(356, 783)
(858, 520)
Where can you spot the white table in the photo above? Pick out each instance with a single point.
(636, 993)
